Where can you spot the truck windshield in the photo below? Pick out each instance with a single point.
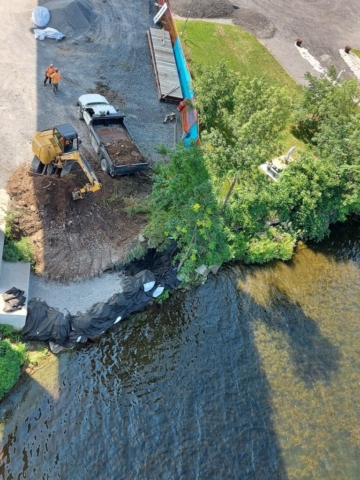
(96, 103)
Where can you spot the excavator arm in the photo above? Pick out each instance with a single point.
(92, 186)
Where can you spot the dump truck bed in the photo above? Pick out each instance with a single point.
(112, 141)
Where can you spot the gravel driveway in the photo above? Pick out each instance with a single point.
(105, 44)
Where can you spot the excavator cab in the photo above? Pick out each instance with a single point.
(56, 151)
(66, 137)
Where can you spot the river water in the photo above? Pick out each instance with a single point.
(253, 375)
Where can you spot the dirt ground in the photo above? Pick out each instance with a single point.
(76, 240)
(81, 239)
(123, 152)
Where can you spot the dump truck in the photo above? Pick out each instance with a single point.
(110, 138)
(56, 152)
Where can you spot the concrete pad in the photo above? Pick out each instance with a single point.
(14, 274)
(353, 61)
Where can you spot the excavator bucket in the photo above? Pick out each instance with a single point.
(76, 195)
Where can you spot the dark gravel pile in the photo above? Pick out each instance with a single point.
(70, 17)
(248, 19)
(202, 8)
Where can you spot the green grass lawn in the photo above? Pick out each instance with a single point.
(207, 43)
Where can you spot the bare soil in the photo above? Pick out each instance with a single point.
(123, 152)
(202, 8)
(75, 240)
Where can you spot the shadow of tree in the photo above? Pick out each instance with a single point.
(314, 357)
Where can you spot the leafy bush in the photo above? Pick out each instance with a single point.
(271, 244)
(7, 330)
(18, 251)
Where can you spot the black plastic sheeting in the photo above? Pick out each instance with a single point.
(14, 299)
(160, 264)
(44, 323)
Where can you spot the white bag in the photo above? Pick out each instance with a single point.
(40, 16)
(48, 33)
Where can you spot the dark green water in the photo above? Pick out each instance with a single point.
(254, 375)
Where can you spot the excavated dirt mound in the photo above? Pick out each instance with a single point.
(202, 8)
(81, 239)
(123, 152)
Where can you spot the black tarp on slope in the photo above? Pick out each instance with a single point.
(160, 264)
(45, 323)
(48, 324)
(102, 316)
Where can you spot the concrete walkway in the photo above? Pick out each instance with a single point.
(12, 274)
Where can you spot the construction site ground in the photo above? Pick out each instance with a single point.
(105, 51)
(78, 239)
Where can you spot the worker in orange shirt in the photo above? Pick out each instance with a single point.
(48, 72)
(55, 79)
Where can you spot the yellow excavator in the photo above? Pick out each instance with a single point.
(56, 151)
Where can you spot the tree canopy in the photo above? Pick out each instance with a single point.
(213, 199)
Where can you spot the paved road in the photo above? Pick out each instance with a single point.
(324, 25)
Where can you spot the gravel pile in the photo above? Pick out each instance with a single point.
(202, 8)
(70, 17)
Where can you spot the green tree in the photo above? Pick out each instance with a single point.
(244, 129)
(323, 188)
(214, 94)
(183, 208)
(242, 122)
(308, 197)
(324, 100)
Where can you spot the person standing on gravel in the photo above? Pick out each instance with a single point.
(55, 78)
(48, 72)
